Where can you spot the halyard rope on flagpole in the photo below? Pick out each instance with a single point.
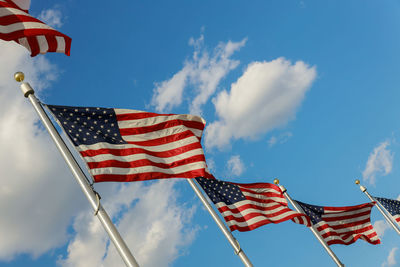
(98, 202)
(380, 207)
(313, 230)
(80, 177)
(232, 240)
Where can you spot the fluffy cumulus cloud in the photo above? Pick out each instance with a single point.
(391, 260)
(203, 71)
(235, 165)
(37, 193)
(51, 17)
(153, 224)
(168, 94)
(265, 97)
(380, 162)
(380, 227)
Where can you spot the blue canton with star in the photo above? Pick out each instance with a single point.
(391, 205)
(220, 191)
(314, 212)
(88, 126)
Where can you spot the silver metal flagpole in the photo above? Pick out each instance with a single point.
(232, 240)
(312, 228)
(80, 177)
(380, 207)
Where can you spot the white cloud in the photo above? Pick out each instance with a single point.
(265, 97)
(156, 229)
(168, 94)
(280, 139)
(380, 161)
(211, 165)
(391, 261)
(398, 198)
(235, 165)
(37, 193)
(203, 71)
(380, 227)
(51, 17)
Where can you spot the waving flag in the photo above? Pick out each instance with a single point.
(342, 225)
(246, 207)
(125, 145)
(17, 25)
(392, 206)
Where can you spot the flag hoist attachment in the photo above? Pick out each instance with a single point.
(312, 228)
(232, 240)
(80, 177)
(381, 208)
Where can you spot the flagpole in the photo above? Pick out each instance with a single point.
(312, 228)
(232, 240)
(380, 207)
(80, 177)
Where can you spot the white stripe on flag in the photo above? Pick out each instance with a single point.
(140, 156)
(333, 214)
(23, 26)
(144, 122)
(348, 221)
(42, 42)
(251, 210)
(159, 134)
(60, 44)
(7, 11)
(261, 197)
(24, 42)
(150, 168)
(159, 148)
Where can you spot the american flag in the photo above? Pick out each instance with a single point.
(246, 207)
(125, 145)
(392, 206)
(17, 25)
(342, 225)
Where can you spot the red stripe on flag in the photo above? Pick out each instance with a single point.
(349, 208)
(368, 238)
(148, 176)
(133, 151)
(12, 18)
(11, 4)
(34, 45)
(163, 140)
(143, 162)
(52, 43)
(255, 214)
(346, 217)
(138, 115)
(161, 126)
(244, 207)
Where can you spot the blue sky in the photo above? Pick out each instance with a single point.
(306, 91)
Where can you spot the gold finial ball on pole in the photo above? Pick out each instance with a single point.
(19, 76)
(276, 181)
(357, 181)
